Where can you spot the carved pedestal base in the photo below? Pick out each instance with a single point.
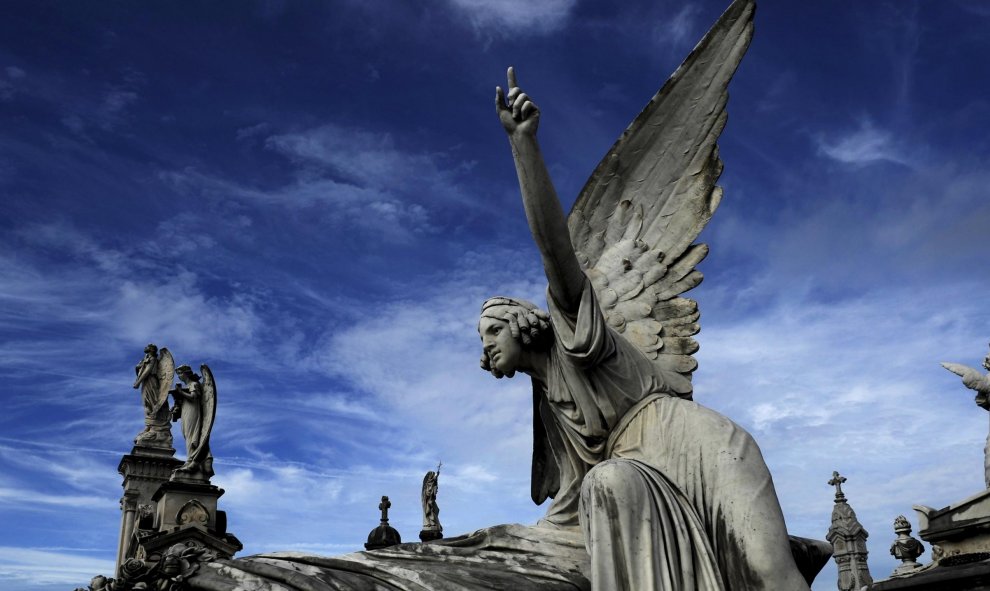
(144, 470)
(961, 529)
(187, 513)
(428, 535)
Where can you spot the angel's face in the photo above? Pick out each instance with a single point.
(504, 351)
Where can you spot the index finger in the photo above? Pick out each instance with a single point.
(511, 75)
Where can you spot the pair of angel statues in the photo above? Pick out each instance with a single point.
(649, 489)
(195, 407)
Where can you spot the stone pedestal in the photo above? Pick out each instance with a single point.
(974, 576)
(959, 530)
(428, 535)
(960, 539)
(144, 470)
(186, 512)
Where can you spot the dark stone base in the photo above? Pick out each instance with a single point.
(428, 535)
(974, 576)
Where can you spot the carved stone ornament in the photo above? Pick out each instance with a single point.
(905, 548)
(170, 573)
(193, 512)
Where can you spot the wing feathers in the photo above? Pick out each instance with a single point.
(635, 221)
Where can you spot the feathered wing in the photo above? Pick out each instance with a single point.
(166, 375)
(634, 222)
(208, 408)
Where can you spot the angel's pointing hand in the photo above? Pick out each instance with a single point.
(519, 115)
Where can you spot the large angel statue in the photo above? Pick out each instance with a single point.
(195, 406)
(668, 494)
(651, 491)
(154, 375)
(979, 383)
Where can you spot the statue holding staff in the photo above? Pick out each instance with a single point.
(432, 529)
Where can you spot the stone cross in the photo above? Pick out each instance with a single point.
(384, 505)
(837, 480)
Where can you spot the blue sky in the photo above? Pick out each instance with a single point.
(315, 198)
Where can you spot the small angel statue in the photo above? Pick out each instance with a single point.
(667, 493)
(974, 380)
(155, 373)
(195, 406)
(432, 529)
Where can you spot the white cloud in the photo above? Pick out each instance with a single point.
(29, 498)
(504, 17)
(41, 566)
(865, 145)
(680, 28)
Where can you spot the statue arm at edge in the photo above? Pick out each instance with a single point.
(547, 221)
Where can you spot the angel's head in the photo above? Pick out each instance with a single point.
(151, 349)
(511, 330)
(186, 374)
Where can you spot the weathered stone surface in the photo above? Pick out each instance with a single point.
(967, 577)
(961, 528)
(503, 557)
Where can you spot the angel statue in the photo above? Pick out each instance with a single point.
(651, 491)
(432, 529)
(668, 494)
(195, 406)
(976, 381)
(155, 373)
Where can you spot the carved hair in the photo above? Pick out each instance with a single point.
(527, 323)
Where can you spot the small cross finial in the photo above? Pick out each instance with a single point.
(837, 480)
(384, 505)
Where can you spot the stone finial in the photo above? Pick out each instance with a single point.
(837, 480)
(384, 535)
(905, 548)
(383, 506)
(848, 538)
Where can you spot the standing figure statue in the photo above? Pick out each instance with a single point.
(432, 530)
(155, 373)
(980, 383)
(195, 406)
(667, 493)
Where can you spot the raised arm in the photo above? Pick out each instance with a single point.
(520, 117)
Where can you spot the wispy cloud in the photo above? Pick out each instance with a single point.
(504, 17)
(33, 567)
(680, 28)
(865, 145)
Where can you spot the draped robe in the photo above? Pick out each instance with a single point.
(668, 494)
